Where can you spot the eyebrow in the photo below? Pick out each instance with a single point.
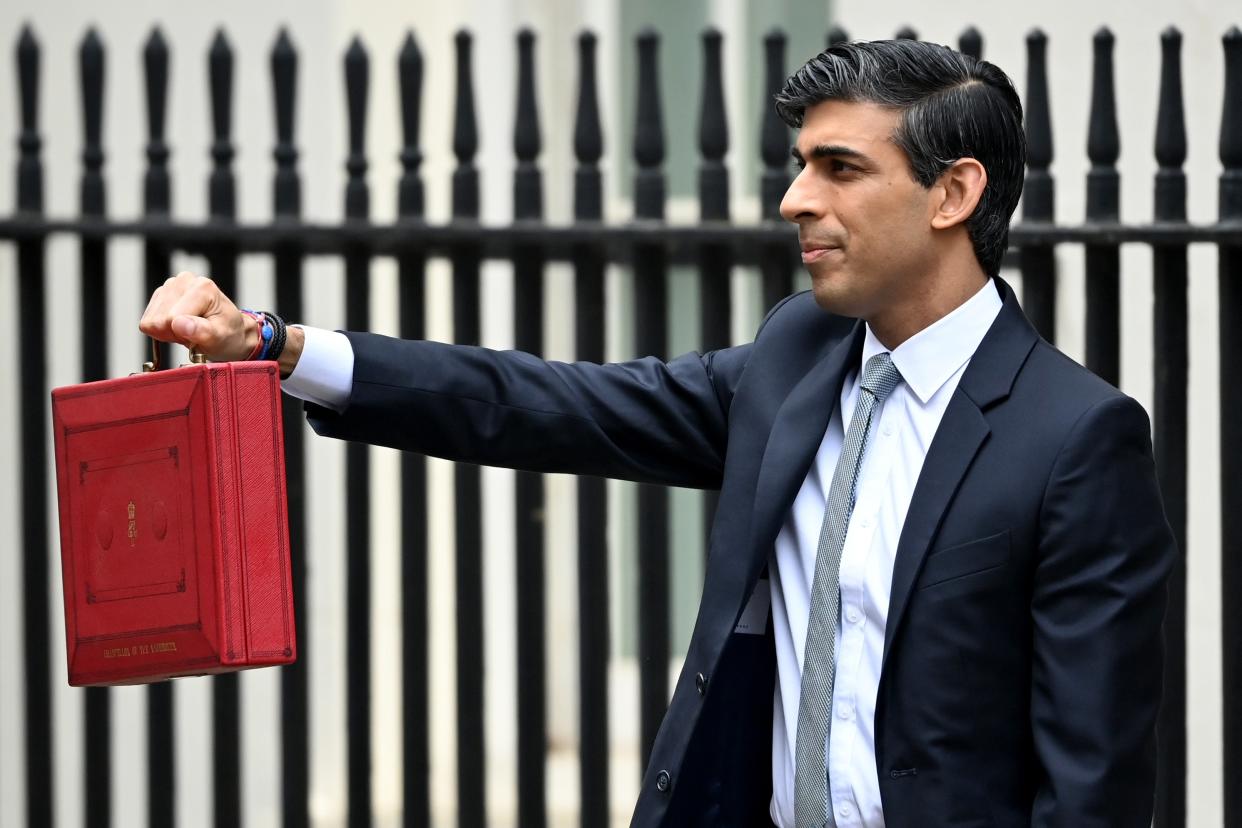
(829, 150)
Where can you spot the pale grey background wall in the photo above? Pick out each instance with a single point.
(321, 30)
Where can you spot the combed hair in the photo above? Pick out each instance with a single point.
(952, 106)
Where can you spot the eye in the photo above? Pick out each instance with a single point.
(842, 166)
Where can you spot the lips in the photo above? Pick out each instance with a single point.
(813, 253)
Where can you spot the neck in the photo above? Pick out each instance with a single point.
(924, 308)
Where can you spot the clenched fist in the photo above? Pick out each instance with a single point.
(191, 310)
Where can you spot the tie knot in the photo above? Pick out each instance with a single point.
(880, 376)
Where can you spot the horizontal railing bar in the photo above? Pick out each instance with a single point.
(556, 241)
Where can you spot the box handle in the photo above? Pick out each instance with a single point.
(196, 357)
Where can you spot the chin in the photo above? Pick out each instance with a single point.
(833, 295)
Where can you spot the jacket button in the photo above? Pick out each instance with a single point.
(700, 683)
(663, 781)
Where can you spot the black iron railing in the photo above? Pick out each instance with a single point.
(649, 245)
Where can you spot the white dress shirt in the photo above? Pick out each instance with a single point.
(325, 371)
(931, 362)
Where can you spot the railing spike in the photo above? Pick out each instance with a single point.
(773, 133)
(1103, 139)
(1170, 113)
(29, 167)
(221, 191)
(713, 125)
(1039, 286)
(713, 132)
(527, 181)
(465, 130)
(357, 82)
(1231, 116)
(91, 71)
(157, 187)
(971, 43)
(1038, 112)
(588, 132)
(649, 129)
(527, 141)
(287, 189)
(465, 133)
(588, 136)
(649, 185)
(410, 73)
(837, 35)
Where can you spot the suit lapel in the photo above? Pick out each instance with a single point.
(797, 431)
(962, 432)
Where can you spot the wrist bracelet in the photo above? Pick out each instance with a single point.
(258, 346)
(280, 335)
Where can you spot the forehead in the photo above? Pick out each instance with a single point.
(864, 126)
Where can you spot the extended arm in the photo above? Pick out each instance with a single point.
(1106, 552)
(643, 420)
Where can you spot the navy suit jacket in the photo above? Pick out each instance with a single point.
(1023, 652)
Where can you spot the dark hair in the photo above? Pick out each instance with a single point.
(952, 106)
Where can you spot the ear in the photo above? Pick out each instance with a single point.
(959, 189)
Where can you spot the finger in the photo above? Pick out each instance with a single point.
(156, 320)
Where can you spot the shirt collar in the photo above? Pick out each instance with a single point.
(927, 359)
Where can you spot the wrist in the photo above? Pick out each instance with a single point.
(288, 360)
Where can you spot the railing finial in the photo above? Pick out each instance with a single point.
(970, 42)
(157, 189)
(527, 181)
(588, 136)
(465, 133)
(1103, 139)
(286, 188)
(1231, 116)
(1170, 113)
(357, 83)
(713, 125)
(410, 73)
(648, 131)
(713, 132)
(1038, 112)
(588, 132)
(773, 133)
(29, 165)
(221, 190)
(837, 34)
(91, 75)
(527, 140)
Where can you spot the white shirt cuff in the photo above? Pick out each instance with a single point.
(325, 371)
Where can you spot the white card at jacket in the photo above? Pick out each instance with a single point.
(754, 618)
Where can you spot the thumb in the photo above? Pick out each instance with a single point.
(187, 328)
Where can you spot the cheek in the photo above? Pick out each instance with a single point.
(902, 214)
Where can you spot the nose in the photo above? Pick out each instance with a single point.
(800, 203)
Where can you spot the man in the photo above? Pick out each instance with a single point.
(958, 528)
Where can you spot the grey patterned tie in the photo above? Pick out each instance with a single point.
(811, 797)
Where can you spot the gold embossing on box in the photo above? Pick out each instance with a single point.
(140, 649)
(133, 523)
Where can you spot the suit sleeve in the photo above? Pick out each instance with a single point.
(644, 420)
(1099, 597)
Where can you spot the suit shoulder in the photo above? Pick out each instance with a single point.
(1070, 387)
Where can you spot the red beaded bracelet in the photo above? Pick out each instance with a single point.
(258, 348)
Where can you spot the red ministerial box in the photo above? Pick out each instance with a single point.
(174, 524)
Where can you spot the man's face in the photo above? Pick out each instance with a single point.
(863, 222)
